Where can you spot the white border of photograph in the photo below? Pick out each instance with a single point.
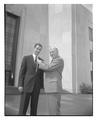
(2, 117)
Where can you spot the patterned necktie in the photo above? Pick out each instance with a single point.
(36, 64)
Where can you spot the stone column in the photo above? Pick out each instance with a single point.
(60, 36)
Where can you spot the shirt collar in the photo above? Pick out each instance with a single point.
(34, 56)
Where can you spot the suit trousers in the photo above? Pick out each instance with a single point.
(24, 102)
(54, 103)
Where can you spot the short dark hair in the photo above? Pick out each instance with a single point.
(38, 44)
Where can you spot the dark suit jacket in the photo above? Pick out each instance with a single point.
(28, 76)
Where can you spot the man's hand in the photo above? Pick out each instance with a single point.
(20, 89)
(43, 66)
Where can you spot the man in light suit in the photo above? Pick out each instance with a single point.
(53, 81)
(30, 81)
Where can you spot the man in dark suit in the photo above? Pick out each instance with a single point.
(30, 81)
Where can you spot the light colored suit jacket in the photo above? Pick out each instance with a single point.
(53, 76)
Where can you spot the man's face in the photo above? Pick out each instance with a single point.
(37, 50)
(54, 53)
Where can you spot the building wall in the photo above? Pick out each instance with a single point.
(64, 26)
(82, 19)
(33, 29)
(74, 50)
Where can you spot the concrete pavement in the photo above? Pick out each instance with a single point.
(71, 104)
(77, 104)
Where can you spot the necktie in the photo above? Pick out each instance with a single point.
(35, 59)
(36, 64)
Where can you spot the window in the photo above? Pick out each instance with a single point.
(90, 34)
(91, 55)
(11, 38)
(91, 75)
(91, 51)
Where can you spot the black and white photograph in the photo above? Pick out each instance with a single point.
(48, 59)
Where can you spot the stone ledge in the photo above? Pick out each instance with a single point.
(11, 90)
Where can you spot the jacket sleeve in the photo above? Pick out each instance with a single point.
(55, 65)
(22, 72)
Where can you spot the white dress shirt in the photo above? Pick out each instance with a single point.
(34, 56)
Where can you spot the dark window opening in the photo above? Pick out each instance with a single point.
(90, 34)
(91, 55)
(91, 75)
(11, 38)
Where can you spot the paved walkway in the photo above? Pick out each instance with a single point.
(76, 105)
(70, 104)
